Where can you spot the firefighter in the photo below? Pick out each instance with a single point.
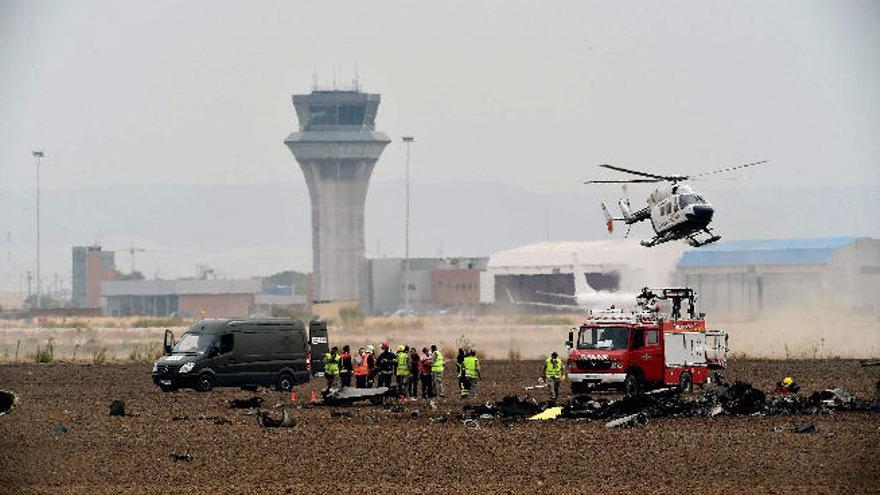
(553, 374)
(437, 372)
(787, 386)
(331, 367)
(459, 367)
(345, 367)
(361, 369)
(402, 371)
(385, 365)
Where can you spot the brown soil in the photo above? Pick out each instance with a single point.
(377, 449)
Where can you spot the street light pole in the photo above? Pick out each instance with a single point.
(38, 155)
(408, 140)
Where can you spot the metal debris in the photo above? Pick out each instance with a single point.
(628, 421)
(59, 429)
(117, 408)
(266, 421)
(804, 428)
(8, 401)
(174, 456)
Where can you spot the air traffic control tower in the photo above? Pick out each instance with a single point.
(336, 148)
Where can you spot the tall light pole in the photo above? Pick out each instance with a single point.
(407, 140)
(38, 155)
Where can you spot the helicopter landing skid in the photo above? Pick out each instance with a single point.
(695, 241)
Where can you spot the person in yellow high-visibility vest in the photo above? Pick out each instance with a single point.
(553, 373)
(437, 366)
(331, 367)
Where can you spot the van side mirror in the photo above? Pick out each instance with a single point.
(167, 342)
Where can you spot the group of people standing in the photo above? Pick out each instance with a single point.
(408, 367)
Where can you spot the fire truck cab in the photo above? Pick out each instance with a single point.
(645, 348)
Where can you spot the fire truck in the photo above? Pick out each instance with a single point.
(645, 348)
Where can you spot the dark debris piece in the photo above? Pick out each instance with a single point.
(804, 428)
(59, 429)
(8, 401)
(174, 456)
(250, 403)
(117, 408)
(340, 414)
(266, 421)
(510, 406)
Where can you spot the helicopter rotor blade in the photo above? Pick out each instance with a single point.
(728, 169)
(634, 172)
(630, 181)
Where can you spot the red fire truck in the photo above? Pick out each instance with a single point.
(645, 348)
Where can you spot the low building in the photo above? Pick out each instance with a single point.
(433, 284)
(211, 298)
(91, 267)
(741, 279)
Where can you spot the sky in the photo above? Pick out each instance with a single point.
(530, 95)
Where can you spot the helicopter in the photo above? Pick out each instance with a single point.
(676, 211)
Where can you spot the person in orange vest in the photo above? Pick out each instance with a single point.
(361, 369)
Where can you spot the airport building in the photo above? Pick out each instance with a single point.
(541, 272)
(337, 147)
(434, 284)
(740, 279)
(91, 267)
(194, 298)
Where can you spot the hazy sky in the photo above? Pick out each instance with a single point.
(530, 94)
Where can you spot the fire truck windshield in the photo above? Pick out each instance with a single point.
(603, 338)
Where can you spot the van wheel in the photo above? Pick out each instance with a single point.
(686, 383)
(632, 385)
(205, 383)
(285, 382)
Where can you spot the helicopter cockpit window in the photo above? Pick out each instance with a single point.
(689, 199)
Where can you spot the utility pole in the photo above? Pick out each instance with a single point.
(408, 140)
(38, 155)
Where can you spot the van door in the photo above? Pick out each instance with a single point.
(318, 343)
(224, 362)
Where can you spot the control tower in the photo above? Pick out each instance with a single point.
(336, 148)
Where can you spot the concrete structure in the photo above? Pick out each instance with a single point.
(434, 283)
(217, 298)
(534, 272)
(91, 266)
(742, 279)
(337, 147)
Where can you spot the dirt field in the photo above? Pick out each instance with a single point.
(383, 450)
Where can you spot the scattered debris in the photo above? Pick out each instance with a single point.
(350, 395)
(837, 398)
(59, 429)
(180, 418)
(416, 414)
(372, 419)
(174, 456)
(510, 406)
(628, 421)
(549, 413)
(117, 408)
(439, 419)
(8, 401)
(340, 414)
(804, 428)
(250, 403)
(266, 421)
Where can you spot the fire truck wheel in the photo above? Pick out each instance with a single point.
(686, 383)
(632, 384)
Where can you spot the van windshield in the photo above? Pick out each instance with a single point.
(603, 338)
(193, 343)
